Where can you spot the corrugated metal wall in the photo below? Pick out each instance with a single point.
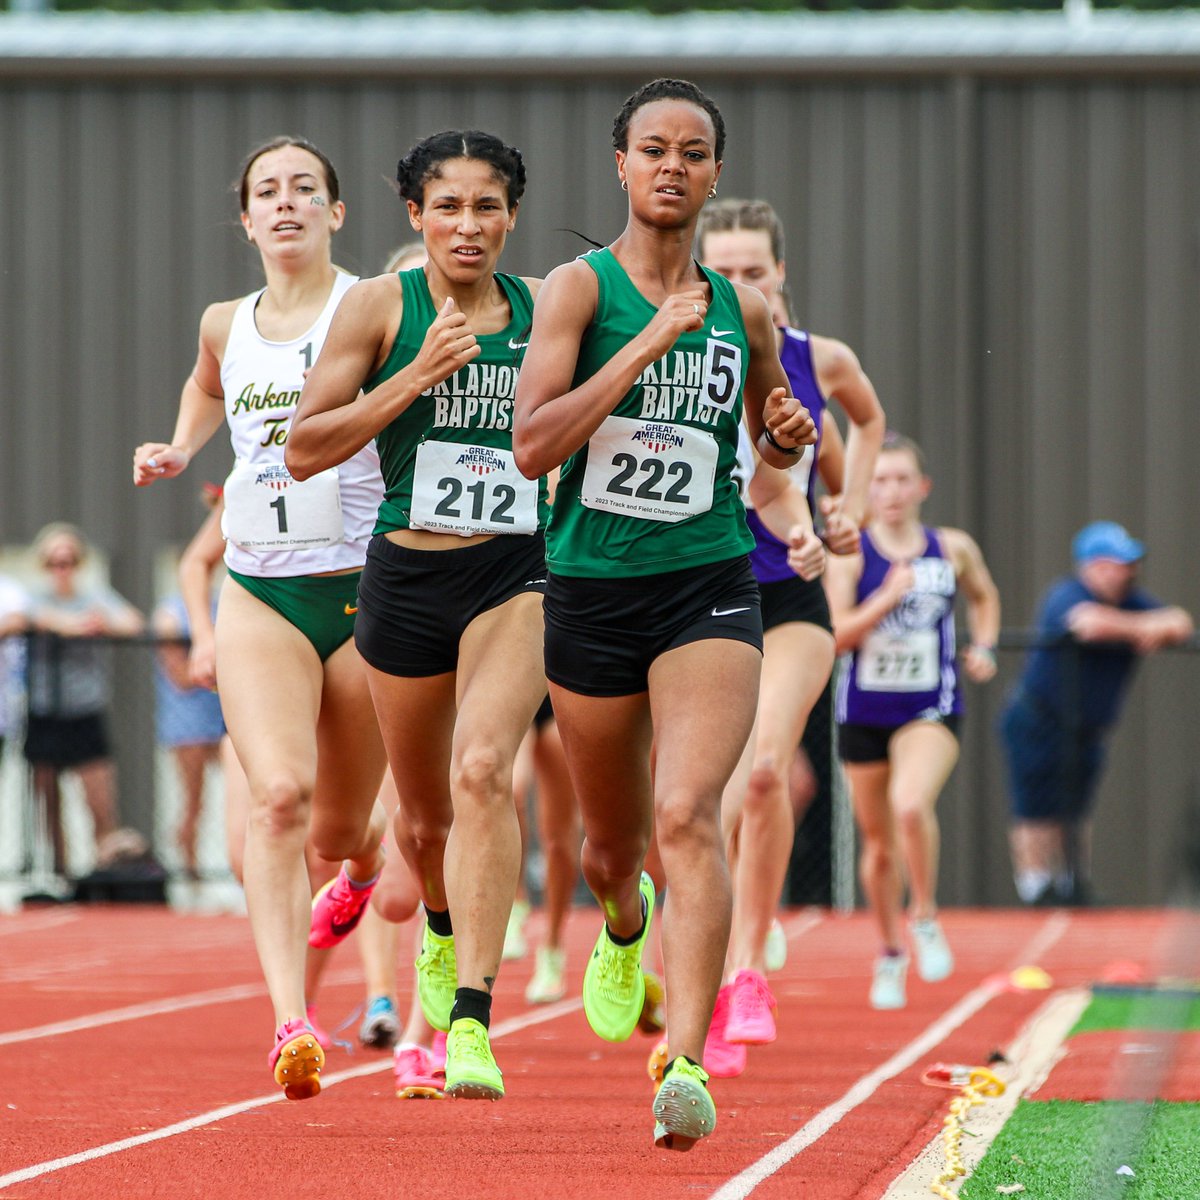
(1014, 259)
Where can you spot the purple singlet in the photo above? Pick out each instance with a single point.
(904, 669)
(769, 556)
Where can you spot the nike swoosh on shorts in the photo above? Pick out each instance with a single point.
(728, 612)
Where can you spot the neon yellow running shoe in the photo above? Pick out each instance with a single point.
(437, 978)
(683, 1110)
(614, 988)
(471, 1071)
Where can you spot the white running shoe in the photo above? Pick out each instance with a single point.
(935, 959)
(775, 948)
(547, 984)
(887, 986)
(514, 934)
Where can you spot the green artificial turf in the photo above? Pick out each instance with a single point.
(1068, 1150)
(1140, 1008)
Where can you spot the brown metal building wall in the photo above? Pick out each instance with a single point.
(1014, 259)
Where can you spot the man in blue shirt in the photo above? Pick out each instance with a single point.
(1091, 629)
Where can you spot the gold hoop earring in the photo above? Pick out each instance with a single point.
(624, 185)
(712, 193)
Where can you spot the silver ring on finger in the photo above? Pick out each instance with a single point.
(696, 309)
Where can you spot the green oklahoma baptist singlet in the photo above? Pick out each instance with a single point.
(447, 460)
(653, 489)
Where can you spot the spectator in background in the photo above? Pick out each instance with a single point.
(69, 682)
(1091, 628)
(188, 717)
(14, 618)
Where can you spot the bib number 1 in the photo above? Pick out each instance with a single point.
(266, 509)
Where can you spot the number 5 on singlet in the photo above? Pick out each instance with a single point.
(652, 470)
(266, 509)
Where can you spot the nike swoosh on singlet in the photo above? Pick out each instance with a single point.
(512, 345)
(728, 612)
(350, 610)
(721, 332)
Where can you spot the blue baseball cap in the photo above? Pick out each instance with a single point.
(1106, 539)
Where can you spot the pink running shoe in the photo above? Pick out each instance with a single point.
(323, 1038)
(296, 1060)
(751, 1019)
(722, 1058)
(415, 1076)
(437, 1055)
(336, 909)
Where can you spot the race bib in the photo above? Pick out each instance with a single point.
(266, 509)
(899, 662)
(464, 489)
(649, 469)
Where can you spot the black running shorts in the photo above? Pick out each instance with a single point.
(415, 605)
(790, 600)
(602, 635)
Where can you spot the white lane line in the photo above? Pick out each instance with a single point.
(864, 1088)
(1035, 1050)
(35, 924)
(798, 926)
(155, 1008)
(538, 1016)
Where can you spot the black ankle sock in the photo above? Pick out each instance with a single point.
(470, 1002)
(439, 922)
(628, 941)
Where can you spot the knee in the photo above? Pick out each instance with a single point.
(878, 856)
(911, 818)
(281, 805)
(394, 904)
(422, 829)
(766, 790)
(560, 845)
(616, 855)
(684, 823)
(481, 775)
(335, 840)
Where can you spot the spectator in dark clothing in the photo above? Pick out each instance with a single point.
(1092, 627)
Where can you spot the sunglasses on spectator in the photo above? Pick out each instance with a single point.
(60, 564)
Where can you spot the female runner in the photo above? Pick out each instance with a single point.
(898, 701)
(449, 617)
(293, 688)
(743, 240)
(634, 378)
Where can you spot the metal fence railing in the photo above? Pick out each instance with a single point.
(1153, 758)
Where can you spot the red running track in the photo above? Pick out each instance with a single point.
(135, 1040)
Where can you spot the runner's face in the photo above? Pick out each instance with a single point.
(289, 213)
(744, 256)
(897, 487)
(669, 164)
(465, 219)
